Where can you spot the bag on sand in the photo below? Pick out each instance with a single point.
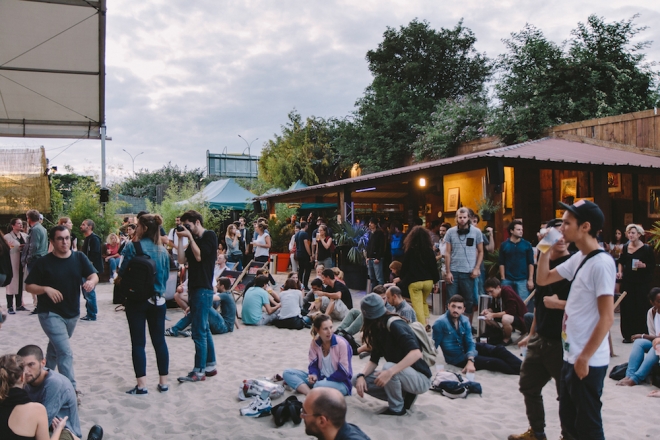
(453, 386)
(254, 387)
(425, 343)
(619, 371)
(287, 410)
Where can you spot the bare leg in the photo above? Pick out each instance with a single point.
(303, 389)
(507, 327)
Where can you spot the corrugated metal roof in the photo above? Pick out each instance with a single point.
(546, 149)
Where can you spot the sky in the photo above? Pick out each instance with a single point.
(184, 77)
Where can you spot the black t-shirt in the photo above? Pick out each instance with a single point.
(200, 273)
(324, 253)
(396, 343)
(65, 275)
(301, 250)
(548, 321)
(92, 249)
(346, 297)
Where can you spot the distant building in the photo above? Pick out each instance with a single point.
(228, 165)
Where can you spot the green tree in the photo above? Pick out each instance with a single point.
(85, 204)
(542, 84)
(302, 152)
(414, 68)
(454, 121)
(144, 184)
(61, 191)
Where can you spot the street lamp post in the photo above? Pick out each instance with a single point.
(249, 145)
(133, 158)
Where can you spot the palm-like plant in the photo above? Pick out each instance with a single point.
(355, 236)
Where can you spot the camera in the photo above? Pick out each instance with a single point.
(179, 228)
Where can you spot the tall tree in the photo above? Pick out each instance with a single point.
(145, 182)
(302, 152)
(602, 73)
(414, 68)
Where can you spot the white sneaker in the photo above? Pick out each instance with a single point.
(257, 408)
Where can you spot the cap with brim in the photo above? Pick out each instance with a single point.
(586, 211)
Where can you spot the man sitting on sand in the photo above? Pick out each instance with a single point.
(400, 305)
(336, 299)
(511, 312)
(219, 323)
(254, 300)
(352, 323)
(324, 413)
(51, 389)
(453, 334)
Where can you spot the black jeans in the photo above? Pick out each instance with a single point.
(579, 403)
(543, 361)
(495, 358)
(137, 314)
(304, 271)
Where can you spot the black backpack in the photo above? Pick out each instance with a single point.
(140, 276)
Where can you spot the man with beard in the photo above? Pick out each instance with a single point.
(324, 412)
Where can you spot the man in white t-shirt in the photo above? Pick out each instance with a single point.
(174, 239)
(588, 316)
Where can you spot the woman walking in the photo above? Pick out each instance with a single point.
(152, 310)
(233, 242)
(635, 270)
(16, 240)
(419, 270)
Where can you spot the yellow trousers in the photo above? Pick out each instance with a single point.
(419, 292)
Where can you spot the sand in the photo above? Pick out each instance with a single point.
(210, 409)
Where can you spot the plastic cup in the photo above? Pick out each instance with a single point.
(469, 377)
(549, 240)
(634, 263)
(523, 351)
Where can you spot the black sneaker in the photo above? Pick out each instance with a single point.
(408, 399)
(34, 312)
(21, 309)
(137, 390)
(389, 412)
(10, 310)
(87, 318)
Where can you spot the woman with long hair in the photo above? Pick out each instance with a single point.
(233, 242)
(615, 247)
(10, 252)
(635, 270)
(329, 361)
(152, 310)
(324, 247)
(20, 418)
(419, 270)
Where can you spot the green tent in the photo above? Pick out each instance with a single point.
(224, 194)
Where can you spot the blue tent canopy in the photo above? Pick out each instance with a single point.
(224, 194)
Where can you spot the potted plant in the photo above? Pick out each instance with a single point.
(486, 207)
(280, 234)
(351, 241)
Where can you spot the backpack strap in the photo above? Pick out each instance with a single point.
(138, 248)
(390, 320)
(590, 255)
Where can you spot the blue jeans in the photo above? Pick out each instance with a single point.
(236, 258)
(113, 262)
(59, 354)
(642, 359)
(90, 301)
(295, 378)
(201, 302)
(219, 323)
(375, 272)
(327, 263)
(463, 285)
(520, 287)
(579, 402)
(137, 314)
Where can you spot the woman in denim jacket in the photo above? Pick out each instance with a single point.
(152, 310)
(329, 361)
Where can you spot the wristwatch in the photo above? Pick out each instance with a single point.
(471, 359)
(359, 376)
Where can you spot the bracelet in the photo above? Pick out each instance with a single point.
(359, 376)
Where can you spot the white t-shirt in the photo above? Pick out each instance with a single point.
(327, 369)
(291, 301)
(175, 241)
(596, 278)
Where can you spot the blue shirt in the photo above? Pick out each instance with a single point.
(254, 299)
(456, 345)
(157, 253)
(516, 258)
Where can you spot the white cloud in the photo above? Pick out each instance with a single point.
(187, 76)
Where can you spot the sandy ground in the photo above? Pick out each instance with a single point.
(210, 409)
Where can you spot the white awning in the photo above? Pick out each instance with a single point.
(52, 68)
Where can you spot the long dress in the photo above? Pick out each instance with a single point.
(638, 284)
(14, 242)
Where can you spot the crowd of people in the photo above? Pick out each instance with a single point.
(556, 305)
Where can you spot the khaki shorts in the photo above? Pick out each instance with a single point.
(67, 435)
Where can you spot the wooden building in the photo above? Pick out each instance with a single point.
(613, 161)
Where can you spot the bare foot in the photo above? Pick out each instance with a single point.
(654, 393)
(626, 382)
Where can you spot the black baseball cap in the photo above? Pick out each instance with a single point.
(586, 211)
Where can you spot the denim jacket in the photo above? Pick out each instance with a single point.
(157, 253)
(456, 346)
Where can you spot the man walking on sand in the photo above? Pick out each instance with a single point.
(588, 317)
(92, 248)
